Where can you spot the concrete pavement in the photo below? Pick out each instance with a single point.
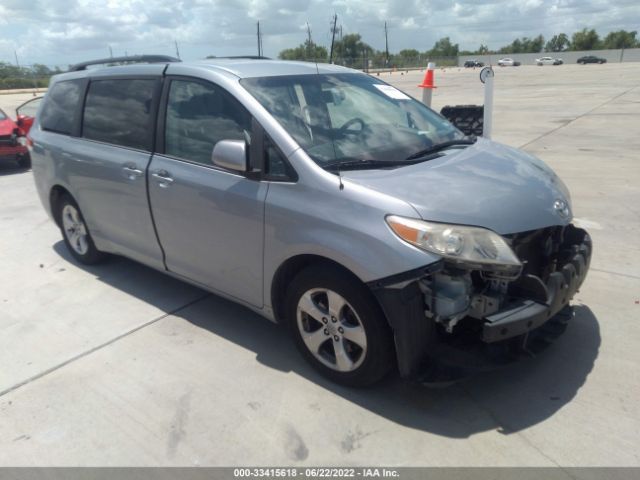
(121, 365)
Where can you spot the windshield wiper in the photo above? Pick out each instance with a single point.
(417, 157)
(358, 164)
(438, 147)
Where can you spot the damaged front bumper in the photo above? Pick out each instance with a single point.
(11, 147)
(465, 320)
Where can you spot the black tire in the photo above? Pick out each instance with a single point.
(92, 255)
(379, 354)
(24, 161)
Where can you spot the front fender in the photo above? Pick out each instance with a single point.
(346, 226)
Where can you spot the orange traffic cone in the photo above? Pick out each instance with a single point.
(428, 78)
(427, 85)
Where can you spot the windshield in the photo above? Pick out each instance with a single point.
(350, 117)
(2, 115)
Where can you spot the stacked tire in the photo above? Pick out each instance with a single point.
(467, 118)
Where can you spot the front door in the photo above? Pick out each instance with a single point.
(209, 221)
(26, 114)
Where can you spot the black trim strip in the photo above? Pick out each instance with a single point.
(158, 96)
(406, 276)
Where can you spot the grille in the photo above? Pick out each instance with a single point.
(7, 140)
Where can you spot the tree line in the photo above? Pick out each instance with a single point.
(352, 51)
(35, 76)
(585, 39)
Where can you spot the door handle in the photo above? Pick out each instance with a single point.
(131, 172)
(163, 177)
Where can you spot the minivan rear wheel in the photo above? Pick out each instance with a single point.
(76, 233)
(338, 326)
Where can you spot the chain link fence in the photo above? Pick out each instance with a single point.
(377, 63)
(568, 57)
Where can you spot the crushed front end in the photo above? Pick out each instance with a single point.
(12, 147)
(454, 317)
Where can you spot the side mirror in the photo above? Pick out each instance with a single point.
(231, 154)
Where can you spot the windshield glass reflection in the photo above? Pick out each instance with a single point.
(347, 117)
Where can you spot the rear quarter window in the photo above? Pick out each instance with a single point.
(60, 107)
(120, 112)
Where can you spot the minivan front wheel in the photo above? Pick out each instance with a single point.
(76, 234)
(338, 327)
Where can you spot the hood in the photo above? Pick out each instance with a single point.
(6, 127)
(486, 184)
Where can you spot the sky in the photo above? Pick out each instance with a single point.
(62, 32)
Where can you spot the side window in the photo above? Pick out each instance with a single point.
(60, 107)
(198, 116)
(119, 112)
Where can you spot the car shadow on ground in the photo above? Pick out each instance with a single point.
(508, 400)
(10, 167)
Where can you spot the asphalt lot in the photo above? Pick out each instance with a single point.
(121, 365)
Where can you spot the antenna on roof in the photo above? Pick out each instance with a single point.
(386, 45)
(259, 41)
(333, 36)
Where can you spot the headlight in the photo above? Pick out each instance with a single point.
(479, 247)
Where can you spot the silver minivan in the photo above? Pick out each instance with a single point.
(320, 197)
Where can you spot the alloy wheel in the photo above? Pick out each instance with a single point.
(331, 329)
(75, 229)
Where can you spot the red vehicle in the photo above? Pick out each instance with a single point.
(13, 141)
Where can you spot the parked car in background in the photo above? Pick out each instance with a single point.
(591, 59)
(13, 144)
(473, 63)
(508, 62)
(548, 61)
(319, 197)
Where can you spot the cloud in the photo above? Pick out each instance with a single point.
(59, 32)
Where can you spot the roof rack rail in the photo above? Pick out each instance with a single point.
(129, 59)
